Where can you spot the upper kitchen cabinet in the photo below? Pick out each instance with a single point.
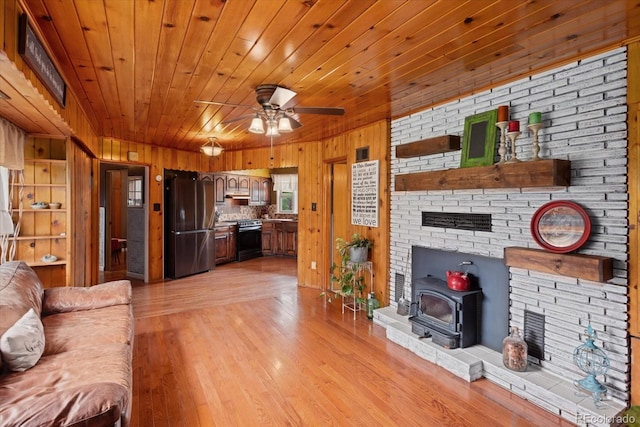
(220, 185)
(260, 193)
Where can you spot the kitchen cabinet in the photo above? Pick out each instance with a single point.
(226, 236)
(233, 184)
(243, 184)
(290, 238)
(268, 237)
(220, 184)
(280, 238)
(260, 192)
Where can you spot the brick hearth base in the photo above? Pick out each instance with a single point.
(555, 394)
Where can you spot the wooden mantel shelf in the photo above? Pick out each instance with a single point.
(588, 267)
(539, 173)
(438, 144)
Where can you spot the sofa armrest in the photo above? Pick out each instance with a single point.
(65, 299)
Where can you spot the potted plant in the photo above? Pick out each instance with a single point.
(347, 281)
(354, 250)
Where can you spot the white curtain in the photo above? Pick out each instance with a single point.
(12, 140)
(285, 182)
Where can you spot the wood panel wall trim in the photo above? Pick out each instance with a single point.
(633, 123)
(541, 173)
(438, 144)
(581, 266)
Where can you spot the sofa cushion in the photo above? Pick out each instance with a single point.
(89, 386)
(20, 290)
(60, 300)
(23, 343)
(89, 328)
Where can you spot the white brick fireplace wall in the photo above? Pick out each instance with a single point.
(583, 106)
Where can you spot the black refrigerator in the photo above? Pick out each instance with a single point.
(189, 225)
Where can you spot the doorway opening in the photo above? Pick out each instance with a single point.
(124, 220)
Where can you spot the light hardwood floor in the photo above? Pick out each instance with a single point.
(243, 345)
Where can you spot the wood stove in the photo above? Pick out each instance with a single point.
(451, 318)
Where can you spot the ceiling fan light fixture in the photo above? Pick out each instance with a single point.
(272, 129)
(284, 125)
(256, 125)
(213, 149)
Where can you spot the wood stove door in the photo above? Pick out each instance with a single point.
(439, 310)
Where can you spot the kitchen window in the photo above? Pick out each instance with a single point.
(286, 188)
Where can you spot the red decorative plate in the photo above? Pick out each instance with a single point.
(561, 226)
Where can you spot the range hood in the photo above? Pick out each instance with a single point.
(237, 196)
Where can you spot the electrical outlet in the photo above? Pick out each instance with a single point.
(313, 265)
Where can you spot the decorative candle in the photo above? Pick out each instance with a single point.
(503, 113)
(514, 126)
(535, 118)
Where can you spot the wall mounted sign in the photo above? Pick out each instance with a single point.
(364, 193)
(34, 54)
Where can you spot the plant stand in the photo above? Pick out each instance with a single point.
(350, 302)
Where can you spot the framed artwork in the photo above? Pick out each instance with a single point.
(560, 226)
(479, 139)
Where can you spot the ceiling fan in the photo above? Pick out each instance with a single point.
(273, 111)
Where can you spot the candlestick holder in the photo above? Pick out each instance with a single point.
(512, 137)
(502, 149)
(535, 148)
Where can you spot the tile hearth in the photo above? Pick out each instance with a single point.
(555, 394)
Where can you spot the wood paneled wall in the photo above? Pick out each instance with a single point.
(309, 157)
(72, 113)
(633, 100)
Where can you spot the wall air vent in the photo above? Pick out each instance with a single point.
(534, 334)
(399, 286)
(460, 221)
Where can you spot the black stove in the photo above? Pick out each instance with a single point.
(249, 223)
(249, 243)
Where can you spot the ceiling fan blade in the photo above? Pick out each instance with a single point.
(201, 101)
(237, 119)
(281, 96)
(295, 124)
(333, 111)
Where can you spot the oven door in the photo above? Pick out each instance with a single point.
(249, 244)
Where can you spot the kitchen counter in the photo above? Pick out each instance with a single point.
(279, 220)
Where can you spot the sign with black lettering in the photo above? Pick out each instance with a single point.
(364, 193)
(34, 54)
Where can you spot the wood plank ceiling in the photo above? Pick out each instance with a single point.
(137, 66)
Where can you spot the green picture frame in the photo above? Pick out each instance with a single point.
(479, 139)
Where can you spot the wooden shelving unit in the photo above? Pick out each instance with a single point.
(44, 231)
(587, 267)
(438, 144)
(540, 173)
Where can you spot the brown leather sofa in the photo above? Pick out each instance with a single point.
(84, 374)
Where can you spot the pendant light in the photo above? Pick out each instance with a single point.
(272, 128)
(213, 148)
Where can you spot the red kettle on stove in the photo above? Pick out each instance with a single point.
(458, 281)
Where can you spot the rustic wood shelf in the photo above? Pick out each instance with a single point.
(45, 264)
(54, 236)
(439, 144)
(539, 173)
(51, 161)
(39, 210)
(39, 185)
(588, 267)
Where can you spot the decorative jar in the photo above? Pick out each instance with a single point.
(514, 351)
